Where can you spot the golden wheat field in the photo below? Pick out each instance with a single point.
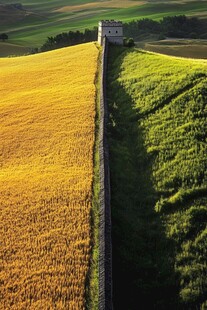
(47, 112)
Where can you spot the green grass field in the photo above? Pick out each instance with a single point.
(49, 18)
(158, 155)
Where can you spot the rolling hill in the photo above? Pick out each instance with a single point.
(49, 18)
(47, 136)
(189, 48)
(8, 49)
(158, 162)
(15, 13)
(158, 144)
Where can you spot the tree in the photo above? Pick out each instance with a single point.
(3, 37)
(69, 38)
(129, 42)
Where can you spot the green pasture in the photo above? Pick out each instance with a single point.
(39, 5)
(33, 30)
(158, 155)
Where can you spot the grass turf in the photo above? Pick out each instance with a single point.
(158, 147)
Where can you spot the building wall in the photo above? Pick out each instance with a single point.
(105, 244)
(112, 30)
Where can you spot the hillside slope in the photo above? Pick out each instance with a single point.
(158, 151)
(48, 18)
(47, 115)
(12, 49)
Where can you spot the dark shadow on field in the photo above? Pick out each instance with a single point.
(143, 259)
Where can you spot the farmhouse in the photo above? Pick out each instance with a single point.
(111, 29)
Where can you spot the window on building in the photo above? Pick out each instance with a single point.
(116, 31)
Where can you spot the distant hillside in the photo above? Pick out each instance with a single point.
(12, 49)
(11, 14)
(47, 133)
(52, 17)
(177, 47)
(158, 155)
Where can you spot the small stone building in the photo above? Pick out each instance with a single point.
(111, 29)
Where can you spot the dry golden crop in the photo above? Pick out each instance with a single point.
(47, 111)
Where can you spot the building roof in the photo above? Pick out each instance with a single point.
(110, 23)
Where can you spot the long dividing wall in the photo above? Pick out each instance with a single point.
(105, 244)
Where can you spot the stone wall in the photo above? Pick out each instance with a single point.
(105, 245)
(112, 30)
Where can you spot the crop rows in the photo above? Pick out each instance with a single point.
(47, 129)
